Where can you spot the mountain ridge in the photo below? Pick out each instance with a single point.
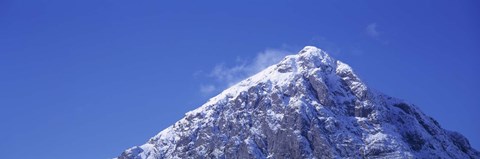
(309, 105)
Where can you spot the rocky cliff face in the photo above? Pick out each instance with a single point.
(307, 106)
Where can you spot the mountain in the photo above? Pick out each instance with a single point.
(307, 106)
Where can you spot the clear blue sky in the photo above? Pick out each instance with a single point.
(88, 79)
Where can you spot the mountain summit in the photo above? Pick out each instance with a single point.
(307, 106)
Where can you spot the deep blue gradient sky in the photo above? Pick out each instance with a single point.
(88, 79)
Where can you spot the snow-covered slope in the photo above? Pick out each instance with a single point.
(307, 106)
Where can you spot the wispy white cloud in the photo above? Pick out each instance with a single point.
(372, 30)
(230, 75)
(227, 75)
(266, 58)
(207, 89)
(233, 74)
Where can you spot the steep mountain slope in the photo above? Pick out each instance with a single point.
(307, 106)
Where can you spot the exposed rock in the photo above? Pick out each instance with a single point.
(307, 106)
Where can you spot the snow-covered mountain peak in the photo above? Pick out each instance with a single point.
(309, 105)
(315, 56)
(310, 61)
